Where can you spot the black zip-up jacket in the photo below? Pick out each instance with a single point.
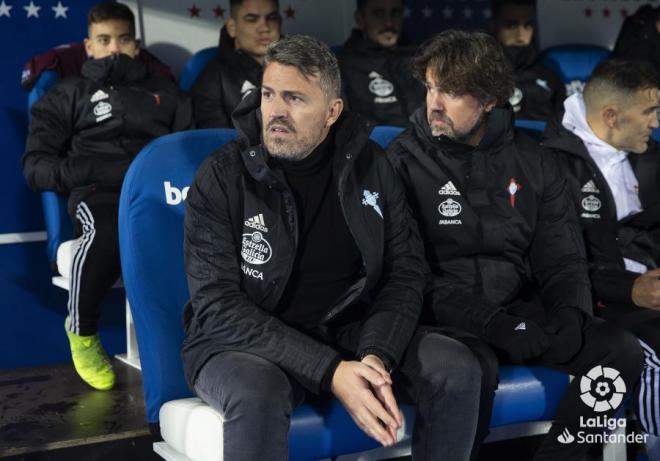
(379, 82)
(538, 93)
(496, 221)
(223, 83)
(86, 130)
(609, 240)
(238, 268)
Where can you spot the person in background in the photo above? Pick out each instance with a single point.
(538, 92)
(613, 172)
(375, 65)
(83, 136)
(237, 70)
(639, 37)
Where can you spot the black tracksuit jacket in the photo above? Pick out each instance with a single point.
(608, 240)
(498, 227)
(237, 271)
(378, 82)
(539, 92)
(86, 130)
(223, 83)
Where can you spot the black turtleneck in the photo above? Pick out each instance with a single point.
(327, 259)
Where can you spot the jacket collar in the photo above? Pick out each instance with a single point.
(116, 69)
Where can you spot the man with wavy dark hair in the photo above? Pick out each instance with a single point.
(501, 238)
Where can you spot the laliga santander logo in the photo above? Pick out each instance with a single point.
(602, 389)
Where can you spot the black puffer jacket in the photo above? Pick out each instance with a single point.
(86, 130)
(223, 83)
(237, 270)
(538, 92)
(496, 221)
(609, 240)
(378, 82)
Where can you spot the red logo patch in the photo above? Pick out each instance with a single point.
(513, 188)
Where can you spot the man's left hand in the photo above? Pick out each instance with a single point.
(384, 393)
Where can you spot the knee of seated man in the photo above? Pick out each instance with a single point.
(448, 364)
(260, 385)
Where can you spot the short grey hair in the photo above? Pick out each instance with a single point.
(311, 57)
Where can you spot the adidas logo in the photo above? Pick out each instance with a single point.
(520, 326)
(449, 189)
(590, 187)
(257, 222)
(99, 96)
(247, 87)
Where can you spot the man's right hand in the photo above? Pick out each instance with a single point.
(646, 290)
(351, 384)
(520, 338)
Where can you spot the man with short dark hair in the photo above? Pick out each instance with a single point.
(237, 70)
(84, 134)
(375, 65)
(613, 171)
(538, 91)
(503, 243)
(306, 274)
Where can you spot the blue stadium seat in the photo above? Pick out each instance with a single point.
(655, 134)
(384, 134)
(194, 66)
(151, 235)
(574, 63)
(533, 128)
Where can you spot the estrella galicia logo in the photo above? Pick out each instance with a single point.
(602, 389)
(256, 249)
(450, 208)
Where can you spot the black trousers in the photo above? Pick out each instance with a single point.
(440, 375)
(95, 266)
(645, 325)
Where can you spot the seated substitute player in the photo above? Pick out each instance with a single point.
(378, 81)
(613, 172)
(83, 136)
(538, 91)
(237, 70)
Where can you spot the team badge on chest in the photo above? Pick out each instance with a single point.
(513, 189)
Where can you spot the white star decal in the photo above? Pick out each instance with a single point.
(467, 12)
(60, 10)
(427, 12)
(5, 9)
(32, 10)
(447, 12)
